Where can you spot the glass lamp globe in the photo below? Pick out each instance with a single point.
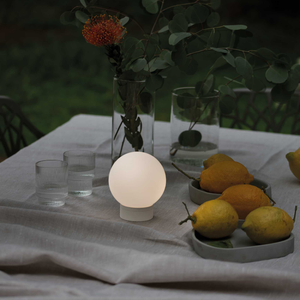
(137, 180)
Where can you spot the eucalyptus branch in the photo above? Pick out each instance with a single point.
(180, 5)
(118, 12)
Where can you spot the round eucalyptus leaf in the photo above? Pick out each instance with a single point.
(124, 21)
(220, 50)
(277, 73)
(227, 104)
(243, 67)
(163, 22)
(146, 102)
(292, 81)
(235, 27)
(178, 24)
(151, 6)
(81, 16)
(226, 90)
(154, 82)
(67, 17)
(197, 13)
(190, 138)
(213, 19)
(215, 4)
(175, 38)
(254, 84)
(164, 29)
(266, 53)
(190, 67)
(186, 101)
(138, 65)
(280, 94)
(230, 59)
(208, 84)
(83, 2)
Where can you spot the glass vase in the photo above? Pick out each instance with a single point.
(133, 118)
(194, 126)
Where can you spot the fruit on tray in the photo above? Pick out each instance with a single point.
(215, 159)
(224, 174)
(268, 224)
(245, 198)
(294, 162)
(214, 219)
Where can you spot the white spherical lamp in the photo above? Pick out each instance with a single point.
(137, 180)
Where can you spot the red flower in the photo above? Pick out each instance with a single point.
(102, 31)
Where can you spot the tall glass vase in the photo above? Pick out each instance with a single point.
(133, 118)
(194, 126)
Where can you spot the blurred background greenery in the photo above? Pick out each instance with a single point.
(51, 71)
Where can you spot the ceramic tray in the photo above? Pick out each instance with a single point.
(199, 196)
(244, 250)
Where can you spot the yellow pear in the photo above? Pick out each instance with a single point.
(268, 224)
(294, 162)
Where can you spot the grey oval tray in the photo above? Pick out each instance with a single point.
(199, 196)
(244, 250)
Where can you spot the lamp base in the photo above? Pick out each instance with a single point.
(136, 214)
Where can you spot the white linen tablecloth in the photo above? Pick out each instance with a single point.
(84, 250)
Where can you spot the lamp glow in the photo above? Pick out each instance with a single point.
(137, 180)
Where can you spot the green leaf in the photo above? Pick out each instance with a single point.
(146, 102)
(277, 73)
(208, 85)
(81, 16)
(67, 17)
(190, 138)
(227, 104)
(124, 21)
(235, 27)
(151, 6)
(190, 67)
(178, 24)
(156, 63)
(279, 94)
(230, 59)
(166, 55)
(226, 90)
(154, 82)
(178, 10)
(215, 4)
(163, 22)
(186, 101)
(138, 65)
(292, 81)
(254, 84)
(129, 44)
(213, 19)
(197, 13)
(221, 244)
(243, 67)
(219, 50)
(220, 62)
(266, 53)
(164, 29)
(175, 38)
(83, 2)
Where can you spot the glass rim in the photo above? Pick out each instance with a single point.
(83, 152)
(126, 80)
(174, 93)
(63, 163)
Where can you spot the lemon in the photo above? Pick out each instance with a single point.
(214, 219)
(268, 224)
(245, 198)
(214, 159)
(222, 175)
(294, 162)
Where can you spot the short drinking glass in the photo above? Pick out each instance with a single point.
(51, 182)
(81, 172)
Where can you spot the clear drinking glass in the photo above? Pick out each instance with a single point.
(51, 182)
(81, 171)
(194, 126)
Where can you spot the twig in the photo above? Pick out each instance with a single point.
(188, 176)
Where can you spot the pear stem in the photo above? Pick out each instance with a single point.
(295, 213)
(273, 202)
(188, 176)
(193, 219)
